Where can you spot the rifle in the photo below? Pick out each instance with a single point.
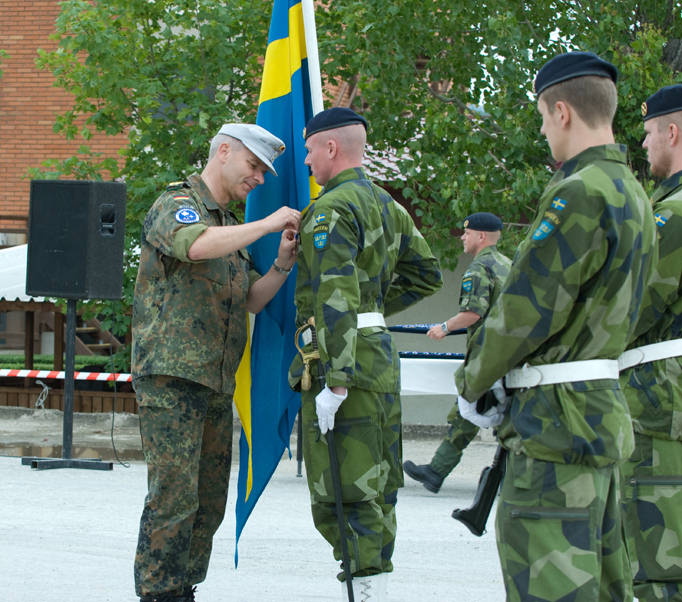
(476, 517)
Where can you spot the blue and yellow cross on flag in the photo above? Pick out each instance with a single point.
(266, 405)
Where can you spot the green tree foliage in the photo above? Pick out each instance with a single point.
(448, 87)
(167, 73)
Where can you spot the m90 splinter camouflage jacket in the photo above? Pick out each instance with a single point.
(573, 293)
(654, 393)
(189, 317)
(360, 252)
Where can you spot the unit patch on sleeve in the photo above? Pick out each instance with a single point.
(467, 282)
(550, 220)
(320, 235)
(186, 215)
(660, 220)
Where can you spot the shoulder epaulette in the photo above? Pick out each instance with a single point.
(177, 185)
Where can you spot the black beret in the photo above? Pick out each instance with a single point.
(330, 119)
(666, 100)
(570, 65)
(483, 222)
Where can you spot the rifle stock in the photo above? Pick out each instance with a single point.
(476, 517)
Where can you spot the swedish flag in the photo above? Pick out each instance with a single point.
(267, 407)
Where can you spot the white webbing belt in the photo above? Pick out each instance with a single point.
(365, 320)
(563, 372)
(650, 353)
(371, 318)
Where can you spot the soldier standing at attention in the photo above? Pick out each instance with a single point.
(194, 287)
(481, 284)
(565, 314)
(651, 374)
(361, 258)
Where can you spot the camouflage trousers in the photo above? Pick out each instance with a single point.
(652, 501)
(186, 433)
(559, 533)
(460, 433)
(368, 442)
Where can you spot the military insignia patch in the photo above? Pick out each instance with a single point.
(558, 203)
(660, 220)
(320, 217)
(545, 228)
(467, 283)
(181, 197)
(320, 236)
(186, 215)
(645, 109)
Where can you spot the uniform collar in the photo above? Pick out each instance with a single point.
(354, 173)
(667, 187)
(200, 186)
(604, 152)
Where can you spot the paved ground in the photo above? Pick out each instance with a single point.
(70, 534)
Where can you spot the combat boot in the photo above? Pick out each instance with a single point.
(368, 589)
(424, 474)
(185, 595)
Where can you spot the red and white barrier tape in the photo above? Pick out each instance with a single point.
(101, 376)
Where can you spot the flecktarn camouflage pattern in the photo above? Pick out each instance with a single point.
(189, 318)
(186, 434)
(189, 332)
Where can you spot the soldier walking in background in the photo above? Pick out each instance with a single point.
(361, 258)
(651, 374)
(194, 287)
(481, 284)
(565, 314)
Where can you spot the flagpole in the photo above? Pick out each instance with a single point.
(313, 56)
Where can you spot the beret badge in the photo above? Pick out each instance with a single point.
(644, 109)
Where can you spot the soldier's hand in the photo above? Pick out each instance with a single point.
(435, 332)
(288, 249)
(326, 404)
(282, 219)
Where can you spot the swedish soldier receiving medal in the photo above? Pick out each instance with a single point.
(361, 258)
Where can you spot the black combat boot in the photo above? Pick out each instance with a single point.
(424, 474)
(185, 595)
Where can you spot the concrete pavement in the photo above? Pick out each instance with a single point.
(70, 534)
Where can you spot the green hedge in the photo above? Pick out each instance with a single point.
(15, 361)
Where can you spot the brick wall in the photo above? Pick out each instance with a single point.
(28, 106)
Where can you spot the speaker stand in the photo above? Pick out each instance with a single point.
(66, 461)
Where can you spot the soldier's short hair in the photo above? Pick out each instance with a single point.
(218, 139)
(594, 98)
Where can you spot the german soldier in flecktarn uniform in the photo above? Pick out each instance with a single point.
(651, 374)
(361, 258)
(194, 287)
(565, 314)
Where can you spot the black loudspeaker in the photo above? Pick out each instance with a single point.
(75, 239)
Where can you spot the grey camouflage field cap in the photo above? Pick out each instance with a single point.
(258, 140)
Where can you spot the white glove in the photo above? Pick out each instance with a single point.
(493, 417)
(326, 404)
(500, 392)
